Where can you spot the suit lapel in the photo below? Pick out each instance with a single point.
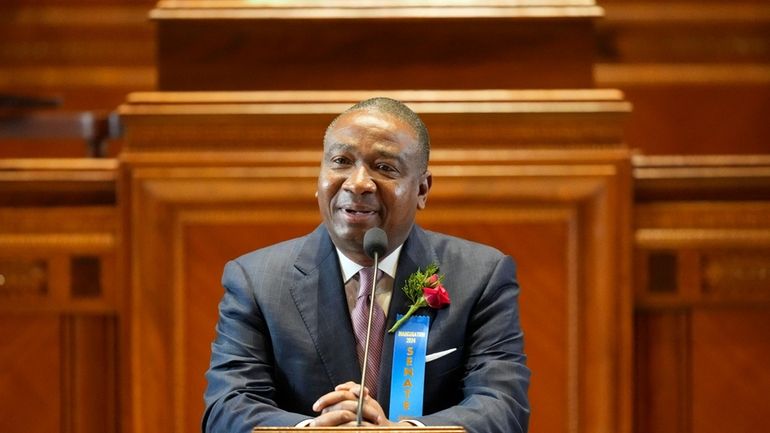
(320, 298)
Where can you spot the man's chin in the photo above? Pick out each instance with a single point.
(350, 236)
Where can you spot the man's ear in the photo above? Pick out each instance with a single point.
(426, 181)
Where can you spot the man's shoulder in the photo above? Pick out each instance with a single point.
(444, 243)
(469, 265)
(281, 249)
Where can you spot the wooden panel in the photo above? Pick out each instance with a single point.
(699, 119)
(58, 219)
(548, 310)
(92, 372)
(58, 372)
(486, 121)
(82, 55)
(58, 296)
(730, 355)
(672, 31)
(569, 208)
(662, 379)
(176, 208)
(30, 357)
(726, 178)
(703, 271)
(87, 53)
(242, 45)
(47, 183)
(698, 73)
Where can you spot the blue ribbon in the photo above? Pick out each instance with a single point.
(407, 379)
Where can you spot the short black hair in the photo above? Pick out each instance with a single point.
(399, 110)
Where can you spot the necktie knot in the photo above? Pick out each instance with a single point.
(365, 276)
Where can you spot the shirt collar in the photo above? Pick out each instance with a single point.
(350, 268)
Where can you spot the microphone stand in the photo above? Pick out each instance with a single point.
(359, 410)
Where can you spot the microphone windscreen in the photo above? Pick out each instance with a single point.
(375, 240)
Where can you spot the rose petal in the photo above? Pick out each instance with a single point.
(436, 297)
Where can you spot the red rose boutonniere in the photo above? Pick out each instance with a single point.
(424, 289)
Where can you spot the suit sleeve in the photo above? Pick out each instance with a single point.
(496, 379)
(241, 391)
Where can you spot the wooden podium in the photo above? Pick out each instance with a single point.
(359, 429)
(542, 175)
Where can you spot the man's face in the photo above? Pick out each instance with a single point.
(371, 175)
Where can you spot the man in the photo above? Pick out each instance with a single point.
(285, 352)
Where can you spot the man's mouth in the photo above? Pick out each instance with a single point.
(359, 212)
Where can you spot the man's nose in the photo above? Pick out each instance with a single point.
(360, 181)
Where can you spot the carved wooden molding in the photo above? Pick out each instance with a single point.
(162, 124)
(58, 258)
(702, 230)
(737, 274)
(26, 278)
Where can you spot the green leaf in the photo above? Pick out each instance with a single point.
(413, 290)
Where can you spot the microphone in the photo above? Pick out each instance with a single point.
(375, 242)
(375, 245)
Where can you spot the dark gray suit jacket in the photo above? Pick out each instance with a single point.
(284, 336)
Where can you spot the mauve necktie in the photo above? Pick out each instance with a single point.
(360, 316)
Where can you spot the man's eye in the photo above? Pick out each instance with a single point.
(340, 160)
(386, 168)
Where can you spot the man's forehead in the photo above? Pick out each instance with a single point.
(370, 123)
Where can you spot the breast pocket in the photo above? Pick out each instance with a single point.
(443, 381)
(443, 362)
